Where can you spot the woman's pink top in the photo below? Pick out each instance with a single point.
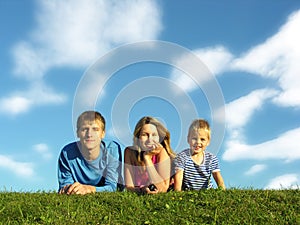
(141, 177)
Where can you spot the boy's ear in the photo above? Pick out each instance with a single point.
(103, 134)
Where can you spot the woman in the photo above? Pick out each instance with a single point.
(147, 166)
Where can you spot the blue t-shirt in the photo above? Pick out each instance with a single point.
(104, 172)
(196, 177)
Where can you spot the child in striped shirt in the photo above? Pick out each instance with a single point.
(194, 166)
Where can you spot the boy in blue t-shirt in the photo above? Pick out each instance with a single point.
(194, 166)
(90, 164)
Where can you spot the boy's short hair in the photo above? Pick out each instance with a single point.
(90, 116)
(199, 124)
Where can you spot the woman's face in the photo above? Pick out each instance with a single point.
(148, 137)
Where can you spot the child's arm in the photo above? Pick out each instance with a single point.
(178, 180)
(219, 179)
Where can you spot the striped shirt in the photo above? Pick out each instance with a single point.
(196, 177)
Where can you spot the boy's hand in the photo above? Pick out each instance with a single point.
(78, 189)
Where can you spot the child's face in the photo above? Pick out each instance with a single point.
(148, 137)
(90, 134)
(198, 141)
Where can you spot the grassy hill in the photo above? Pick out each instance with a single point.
(233, 206)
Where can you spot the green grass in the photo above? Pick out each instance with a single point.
(233, 206)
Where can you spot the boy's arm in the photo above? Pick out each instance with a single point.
(109, 186)
(219, 179)
(64, 174)
(113, 167)
(178, 180)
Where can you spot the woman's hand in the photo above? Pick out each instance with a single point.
(156, 149)
(146, 190)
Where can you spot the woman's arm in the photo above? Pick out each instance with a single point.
(160, 173)
(128, 172)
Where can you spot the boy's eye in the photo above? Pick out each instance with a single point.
(85, 129)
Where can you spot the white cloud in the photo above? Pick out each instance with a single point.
(74, 33)
(284, 147)
(238, 115)
(22, 101)
(240, 111)
(43, 150)
(15, 104)
(287, 181)
(256, 169)
(21, 169)
(278, 58)
(215, 59)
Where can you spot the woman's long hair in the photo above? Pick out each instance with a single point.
(163, 133)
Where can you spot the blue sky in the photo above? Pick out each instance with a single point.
(251, 49)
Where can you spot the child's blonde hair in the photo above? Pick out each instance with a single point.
(199, 124)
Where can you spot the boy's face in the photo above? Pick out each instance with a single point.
(90, 134)
(198, 141)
